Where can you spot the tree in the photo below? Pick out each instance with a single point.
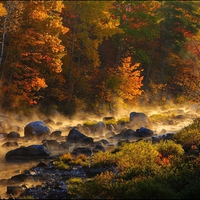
(83, 40)
(130, 87)
(177, 63)
(34, 51)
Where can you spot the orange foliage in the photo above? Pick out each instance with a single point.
(131, 80)
(2, 10)
(38, 83)
(163, 160)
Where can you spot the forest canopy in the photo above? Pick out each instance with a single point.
(98, 55)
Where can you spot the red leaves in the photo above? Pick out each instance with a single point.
(163, 160)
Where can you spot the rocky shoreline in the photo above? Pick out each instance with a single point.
(36, 177)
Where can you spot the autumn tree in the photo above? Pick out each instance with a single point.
(3, 28)
(34, 51)
(130, 87)
(86, 34)
(121, 87)
(178, 27)
(154, 35)
(140, 23)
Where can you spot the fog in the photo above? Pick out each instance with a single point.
(17, 122)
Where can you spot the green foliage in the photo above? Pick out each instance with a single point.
(81, 159)
(150, 188)
(161, 170)
(111, 121)
(66, 160)
(161, 117)
(27, 197)
(189, 137)
(90, 123)
(61, 165)
(169, 148)
(103, 159)
(113, 82)
(192, 190)
(123, 120)
(128, 161)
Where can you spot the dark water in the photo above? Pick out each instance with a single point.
(7, 170)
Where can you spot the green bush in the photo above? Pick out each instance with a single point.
(66, 160)
(169, 148)
(192, 190)
(142, 170)
(189, 137)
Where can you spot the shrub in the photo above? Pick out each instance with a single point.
(67, 159)
(169, 148)
(80, 159)
(103, 159)
(192, 190)
(61, 165)
(189, 137)
(150, 188)
(137, 158)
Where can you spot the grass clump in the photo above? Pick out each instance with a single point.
(123, 120)
(90, 123)
(161, 117)
(66, 160)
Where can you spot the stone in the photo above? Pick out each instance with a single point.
(36, 128)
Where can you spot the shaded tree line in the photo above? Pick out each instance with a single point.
(97, 55)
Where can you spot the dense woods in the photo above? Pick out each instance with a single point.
(98, 55)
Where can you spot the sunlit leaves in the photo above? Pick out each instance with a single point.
(135, 167)
(38, 15)
(40, 46)
(131, 80)
(2, 10)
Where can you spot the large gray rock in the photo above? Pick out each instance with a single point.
(36, 129)
(99, 129)
(75, 136)
(138, 120)
(143, 132)
(27, 153)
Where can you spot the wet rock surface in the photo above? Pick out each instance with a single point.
(45, 181)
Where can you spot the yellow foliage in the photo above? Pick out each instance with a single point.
(131, 80)
(38, 15)
(2, 10)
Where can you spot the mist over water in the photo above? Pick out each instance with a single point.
(60, 122)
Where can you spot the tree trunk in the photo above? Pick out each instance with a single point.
(3, 40)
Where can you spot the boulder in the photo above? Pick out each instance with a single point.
(36, 129)
(82, 150)
(99, 128)
(51, 145)
(138, 120)
(143, 132)
(13, 135)
(75, 136)
(27, 153)
(56, 134)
